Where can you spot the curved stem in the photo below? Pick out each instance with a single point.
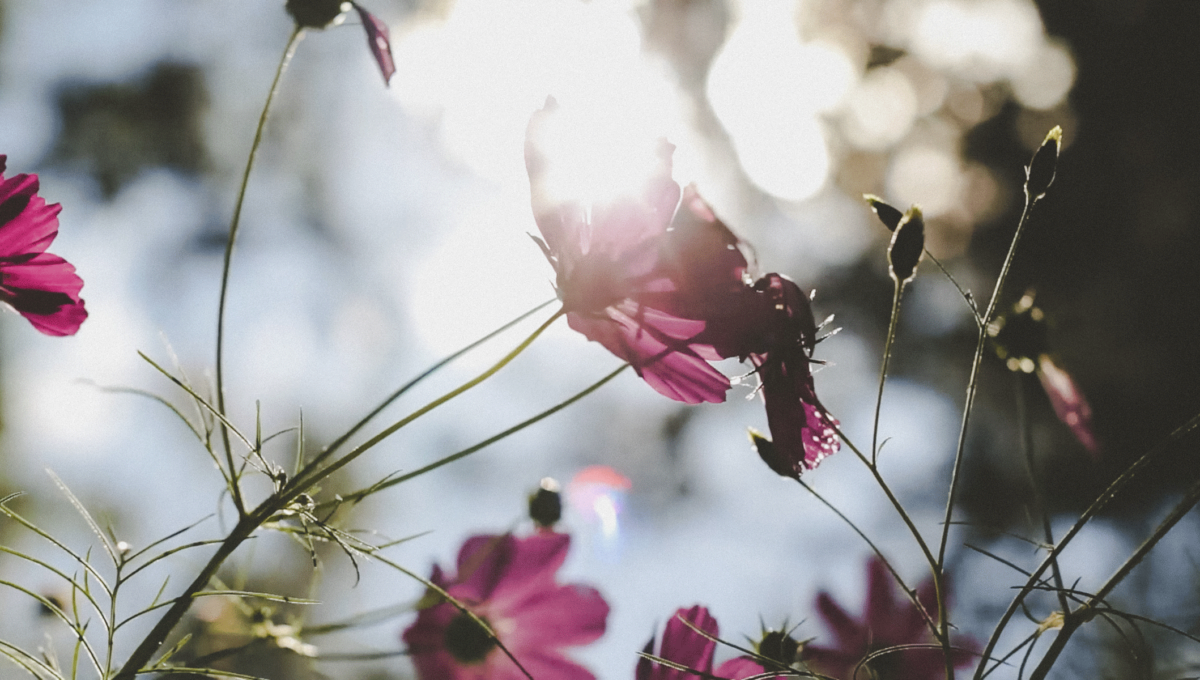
(887, 490)
(290, 50)
(887, 355)
(337, 443)
(311, 474)
(359, 495)
(912, 594)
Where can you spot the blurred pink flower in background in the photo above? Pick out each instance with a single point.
(510, 583)
(44, 288)
(1068, 401)
(888, 620)
(682, 645)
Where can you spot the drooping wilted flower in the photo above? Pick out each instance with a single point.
(44, 288)
(510, 584)
(888, 620)
(780, 347)
(684, 646)
(323, 13)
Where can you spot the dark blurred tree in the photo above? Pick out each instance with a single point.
(113, 131)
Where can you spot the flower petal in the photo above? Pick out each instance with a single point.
(379, 41)
(45, 290)
(27, 224)
(804, 433)
(566, 616)
(671, 369)
(684, 646)
(740, 668)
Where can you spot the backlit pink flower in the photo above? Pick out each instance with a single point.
(889, 620)
(663, 284)
(684, 646)
(44, 288)
(510, 583)
(780, 346)
(640, 275)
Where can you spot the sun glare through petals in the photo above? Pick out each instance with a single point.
(488, 66)
(480, 72)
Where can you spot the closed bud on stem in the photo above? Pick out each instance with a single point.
(545, 504)
(1040, 173)
(887, 214)
(317, 13)
(907, 246)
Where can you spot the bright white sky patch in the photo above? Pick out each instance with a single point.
(931, 178)
(485, 273)
(880, 111)
(1046, 79)
(983, 40)
(490, 65)
(767, 88)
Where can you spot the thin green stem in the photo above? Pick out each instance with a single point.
(968, 406)
(887, 490)
(312, 474)
(1099, 504)
(393, 481)
(340, 441)
(912, 594)
(293, 42)
(973, 382)
(887, 356)
(1039, 503)
(1088, 610)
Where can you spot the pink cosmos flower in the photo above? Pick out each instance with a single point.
(44, 288)
(663, 284)
(888, 621)
(638, 275)
(510, 583)
(686, 647)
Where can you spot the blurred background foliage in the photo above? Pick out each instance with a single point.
(378, 216)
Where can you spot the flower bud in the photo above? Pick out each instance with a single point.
(779, 647)
(886, 213)
(1040, 173)
(317, 13)
(907, 247)
(545, 504)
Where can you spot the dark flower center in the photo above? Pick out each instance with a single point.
(467, 641)
(778, 646)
